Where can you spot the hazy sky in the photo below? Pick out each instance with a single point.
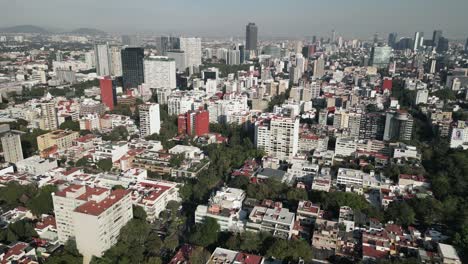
(295, 18)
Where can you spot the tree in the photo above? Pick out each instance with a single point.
(21, 230)
(295, 195)
(176, 160)
(105, 164)
(401, 213)
(291, 250)
(117, 134)
(42, 203)
(70, 125)
(206, 233)
(139, 213)
(69, 254)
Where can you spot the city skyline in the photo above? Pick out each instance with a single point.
(274, 18)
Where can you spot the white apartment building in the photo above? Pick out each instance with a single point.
(150, 120)
(278, 221)
(102, 59)
(12, 150)
(36, 165)
(345, 146)
(160, 72)
(226, 207)
(279, 137)
(153, 196)
(93, 216)
(308, 142)
(110, 150)
(193, 51)
(49, 116)
(421, 96)
(350, 177)
(116, 61)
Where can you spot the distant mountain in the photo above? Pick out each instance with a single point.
(24, 29)
(88, 31)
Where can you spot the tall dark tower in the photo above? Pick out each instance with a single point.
(132, 67)
(392, 39)
(436, 38)
(251, 34)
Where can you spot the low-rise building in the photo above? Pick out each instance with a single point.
(226, 208)
(278, 221)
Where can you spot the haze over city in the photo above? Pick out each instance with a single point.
(294, 18)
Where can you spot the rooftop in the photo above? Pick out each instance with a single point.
(97, 208)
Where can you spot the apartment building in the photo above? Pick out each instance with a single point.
(92, 216)
(153, 196)
(278, 221)
(226, 208)
(278, 136)
(63, 139)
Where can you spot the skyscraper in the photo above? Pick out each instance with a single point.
(108, 93)
(418, 40)
(319, 67)
(392, 37)
(192, 50)
(132, 67)
(436, 37)
(466, 45)
(179, 58)
(116, 61)
(12, 151)
(251, 35)
(150, 120)
(160, 72)
(130, 40)
(166, 43)
(103, 60)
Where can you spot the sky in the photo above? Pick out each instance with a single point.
(274, 18)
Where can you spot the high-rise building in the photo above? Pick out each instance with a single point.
(398, 125)
(116, 61)
(418, 40)
(49, 119)
(436, 38)
(192, 50)
(150, 120)
(380, 56)
(108, 92)
(166, 43)
(443, 45)
(91, 216)
(179, 58)
(132, 67)
(90, 59)
(130, 40)
(251, 37)
(160, 72)
(392, 39)
(233, 57)
(372, 126)
(279, 136)
(12, 150)
(319, 67)
(103, 59)
(194, 123)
